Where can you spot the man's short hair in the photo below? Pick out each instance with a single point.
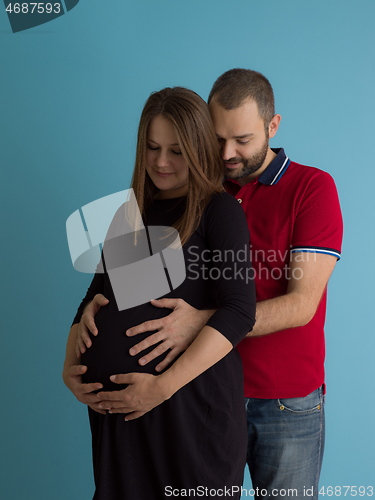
(233, 87)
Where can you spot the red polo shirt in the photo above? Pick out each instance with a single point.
(290, 209)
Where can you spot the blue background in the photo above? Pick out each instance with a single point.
(71, 92)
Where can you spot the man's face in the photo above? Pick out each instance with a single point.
(243, 139)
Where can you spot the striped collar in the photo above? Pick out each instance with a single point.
(273, 172)
(276, 169)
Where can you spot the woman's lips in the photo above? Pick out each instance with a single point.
(163, 174)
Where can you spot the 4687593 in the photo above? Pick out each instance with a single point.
(347, 491)
(31, 8)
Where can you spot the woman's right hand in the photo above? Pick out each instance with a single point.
(85, 393)
(87, 323)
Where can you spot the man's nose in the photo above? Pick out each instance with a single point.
(228, 151)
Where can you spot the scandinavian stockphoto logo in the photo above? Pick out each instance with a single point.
(142, 263)
(25, 15)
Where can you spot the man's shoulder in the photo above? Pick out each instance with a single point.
(307, 171)
(299, 178)
(283, 171)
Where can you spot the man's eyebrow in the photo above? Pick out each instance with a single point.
(244, 136)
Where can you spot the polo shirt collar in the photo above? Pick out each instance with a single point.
(275, 169)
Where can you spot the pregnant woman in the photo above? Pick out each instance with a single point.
(193, 436)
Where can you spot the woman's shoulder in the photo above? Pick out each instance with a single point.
(224, 214)
(223, 203)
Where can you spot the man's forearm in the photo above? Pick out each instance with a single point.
(301, 300)
(206, 314)
(280, 313)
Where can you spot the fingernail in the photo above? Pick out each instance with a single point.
(112, 377)
(132, 351)
(129, 332)
(142, 361)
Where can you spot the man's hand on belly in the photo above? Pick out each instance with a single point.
(175, 331)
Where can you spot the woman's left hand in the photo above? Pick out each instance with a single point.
(143, 393)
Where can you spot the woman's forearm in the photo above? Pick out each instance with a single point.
(71, 358)
(208, 348)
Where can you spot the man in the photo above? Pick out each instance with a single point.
(295, 223)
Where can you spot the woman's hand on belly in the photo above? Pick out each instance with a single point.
(144, 392)
(83, 392)
(87, 324)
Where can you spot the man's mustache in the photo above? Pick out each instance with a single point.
(235, 160)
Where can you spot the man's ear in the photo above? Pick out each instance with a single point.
(274, 125)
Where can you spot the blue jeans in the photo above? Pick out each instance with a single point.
(285, 446)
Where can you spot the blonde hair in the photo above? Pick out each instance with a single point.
(199, 146)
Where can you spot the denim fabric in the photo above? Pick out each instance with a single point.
(285, 445)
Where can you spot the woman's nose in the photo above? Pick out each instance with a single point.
(162, 159)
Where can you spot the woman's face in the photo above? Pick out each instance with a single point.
(165, 164)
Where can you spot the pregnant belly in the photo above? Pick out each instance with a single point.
(109, 353)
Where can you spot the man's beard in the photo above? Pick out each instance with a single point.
(250, 165)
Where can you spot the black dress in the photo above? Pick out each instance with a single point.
(197, 439)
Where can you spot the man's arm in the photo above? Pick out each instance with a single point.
(175, 332)
(309, 275)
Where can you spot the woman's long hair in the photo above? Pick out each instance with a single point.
(199, 146)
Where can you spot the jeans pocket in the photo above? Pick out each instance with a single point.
(311, 403)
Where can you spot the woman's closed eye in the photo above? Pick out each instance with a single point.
(152, 147)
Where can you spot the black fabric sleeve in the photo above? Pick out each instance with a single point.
(96, 286)
(227, 235)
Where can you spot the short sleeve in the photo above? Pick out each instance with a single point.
(227, 236)
(318, 225)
